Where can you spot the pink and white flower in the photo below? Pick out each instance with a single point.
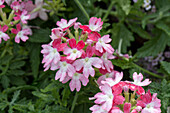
(76, 49)
(150, 104)
(3, 35)
(116, 80)
(75, 81)
(102, 45)
(105, 98)
(1, 4)
(16, 5)
(95, 24)
(20, 34)
(88, 62)
(39, 11)
(65, 69)
(98, 109)
(23, 16)
(51, 54)
(106, 75)
(138, 78)
(107, 64)
(64, 25)
(56, 33)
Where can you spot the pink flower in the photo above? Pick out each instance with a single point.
(98, 109)
(150, 104)
(20, 34)
(127, 107)
(22, 15)
(64, 25)
(16, 5)
(65, 69)
(88, 62)
(51, 54)
(107, 64)
(3, 34)
(112, 82)
(106, 75)
(95, 24)
(76, 49)
(105, 98)
(102, 45)
(57, 33)
(1, 4)
(138, 78)
(29, 6)
(40, 11)
(75, 81)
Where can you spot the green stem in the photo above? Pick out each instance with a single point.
(108, 11)
(74, 102)
(82, 9)
(120, 45)
(146, 71)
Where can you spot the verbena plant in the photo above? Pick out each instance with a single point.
(107, 41)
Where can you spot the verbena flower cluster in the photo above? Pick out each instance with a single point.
(16, 23)
(77, 50)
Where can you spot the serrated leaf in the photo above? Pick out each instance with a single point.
(163, 27)
(166, 66)
(152, 47)
(34, 58)
(141, 32)
(17, 64)
(5, 81)
(125, 5)
(16, 72)
(121, 32)
(40, 36)
(3, 105)
(15, 96)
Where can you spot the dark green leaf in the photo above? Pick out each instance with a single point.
(166, 66)
(152, 47)
(40, 36)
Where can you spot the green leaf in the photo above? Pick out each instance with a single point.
(34, 50)
(16, 72)
(125, 5)
(166, 66)
(122, 63)
(121, 32)
(15, 96)
(163, 27)
(40, 36)
(141, 32)
(152, 47)
(5, 81)
(17, 64)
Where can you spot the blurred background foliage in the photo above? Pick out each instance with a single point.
(143, 34)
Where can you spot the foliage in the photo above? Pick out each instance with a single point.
(25, 87)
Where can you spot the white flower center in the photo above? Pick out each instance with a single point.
(54, 50)
(64, 64)
(86, 59)
(148, 106)
(107, 75)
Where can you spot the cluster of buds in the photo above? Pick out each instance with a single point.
(76, 56)
(125, 96)
(21, 12)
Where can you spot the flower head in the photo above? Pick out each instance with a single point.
(20, 34)
(64, 25)
(3, 35)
